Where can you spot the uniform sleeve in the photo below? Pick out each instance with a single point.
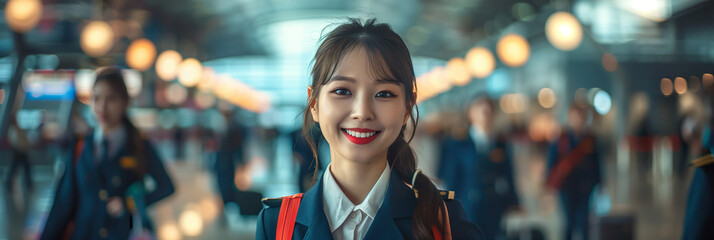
(461, 227)
(64, 204)
(699, 206)
(513, 193)
(552, 157)
(155, 168)
(267, 223)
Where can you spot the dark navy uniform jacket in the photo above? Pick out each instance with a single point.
(483, 177)
(86, 185)
(699, 218)
(393, 220)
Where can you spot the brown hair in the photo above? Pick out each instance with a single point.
(135, 143)
(389, 59)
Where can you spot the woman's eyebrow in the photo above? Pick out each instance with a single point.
(342, 78)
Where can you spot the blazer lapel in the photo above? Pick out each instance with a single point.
(311, 219)
(394, 217)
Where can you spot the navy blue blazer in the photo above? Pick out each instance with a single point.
(699, 215)
(86, 185)
(393, 219)
(479, 176)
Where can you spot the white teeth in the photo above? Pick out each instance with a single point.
(360, 134)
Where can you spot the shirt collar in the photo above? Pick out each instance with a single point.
(338, 207)
(113, 138)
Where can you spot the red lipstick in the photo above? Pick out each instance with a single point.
(360, 140)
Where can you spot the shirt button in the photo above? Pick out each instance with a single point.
(103, 233)
(103, 194)
(353, 215)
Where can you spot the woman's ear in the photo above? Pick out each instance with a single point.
(312, 104)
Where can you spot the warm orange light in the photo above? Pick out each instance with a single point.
(169, 232)
(513, 103)
(207, 79)
(2, 96)
(141, 54)
(513, 50)
(609, 62)
(97, 38)
(680, 85)
(23, 15)
(190, 72)
(191, 223)
(457, 72)
(564, 31)
(546, 98)
(167, 65)
(480, 61)
(666, 86)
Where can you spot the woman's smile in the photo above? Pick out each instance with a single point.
(360, 135)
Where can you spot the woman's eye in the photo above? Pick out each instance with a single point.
(342, 91)
(385, 95)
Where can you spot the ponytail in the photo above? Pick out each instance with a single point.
(429, 211)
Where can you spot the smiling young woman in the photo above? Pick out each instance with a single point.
(361, 97)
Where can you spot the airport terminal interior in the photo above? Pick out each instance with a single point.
(613, 95)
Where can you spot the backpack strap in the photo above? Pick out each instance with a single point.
(287, 216)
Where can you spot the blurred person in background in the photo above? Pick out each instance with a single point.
(573, 169)
(101, 193)
(699, 213)
(19, 145)
(361, 97)
(482, 170)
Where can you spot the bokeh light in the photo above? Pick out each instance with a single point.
(204, 99)
(609, 62)
(458, 72)
(513, 50)
(167, 64)
(513, 103)
(190, 72)
(546, 98)
(564, 31)
(133, 81)
(83, 81)
(581, 97)
(23, 15)
(480, 62)
(602, 102)
(191, 223)
(666, 86)
(176, 94)
(680, 85)
(207, 79)
(2, 96)
(141, 54)
(97, 38)
(169, 232)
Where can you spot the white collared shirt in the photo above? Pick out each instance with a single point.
(482, 140)
(346, 220)
(115, 139)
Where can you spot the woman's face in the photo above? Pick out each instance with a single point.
(360, 116)
(108, 106)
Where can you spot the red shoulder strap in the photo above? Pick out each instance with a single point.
(286, 219)
(78, 148)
